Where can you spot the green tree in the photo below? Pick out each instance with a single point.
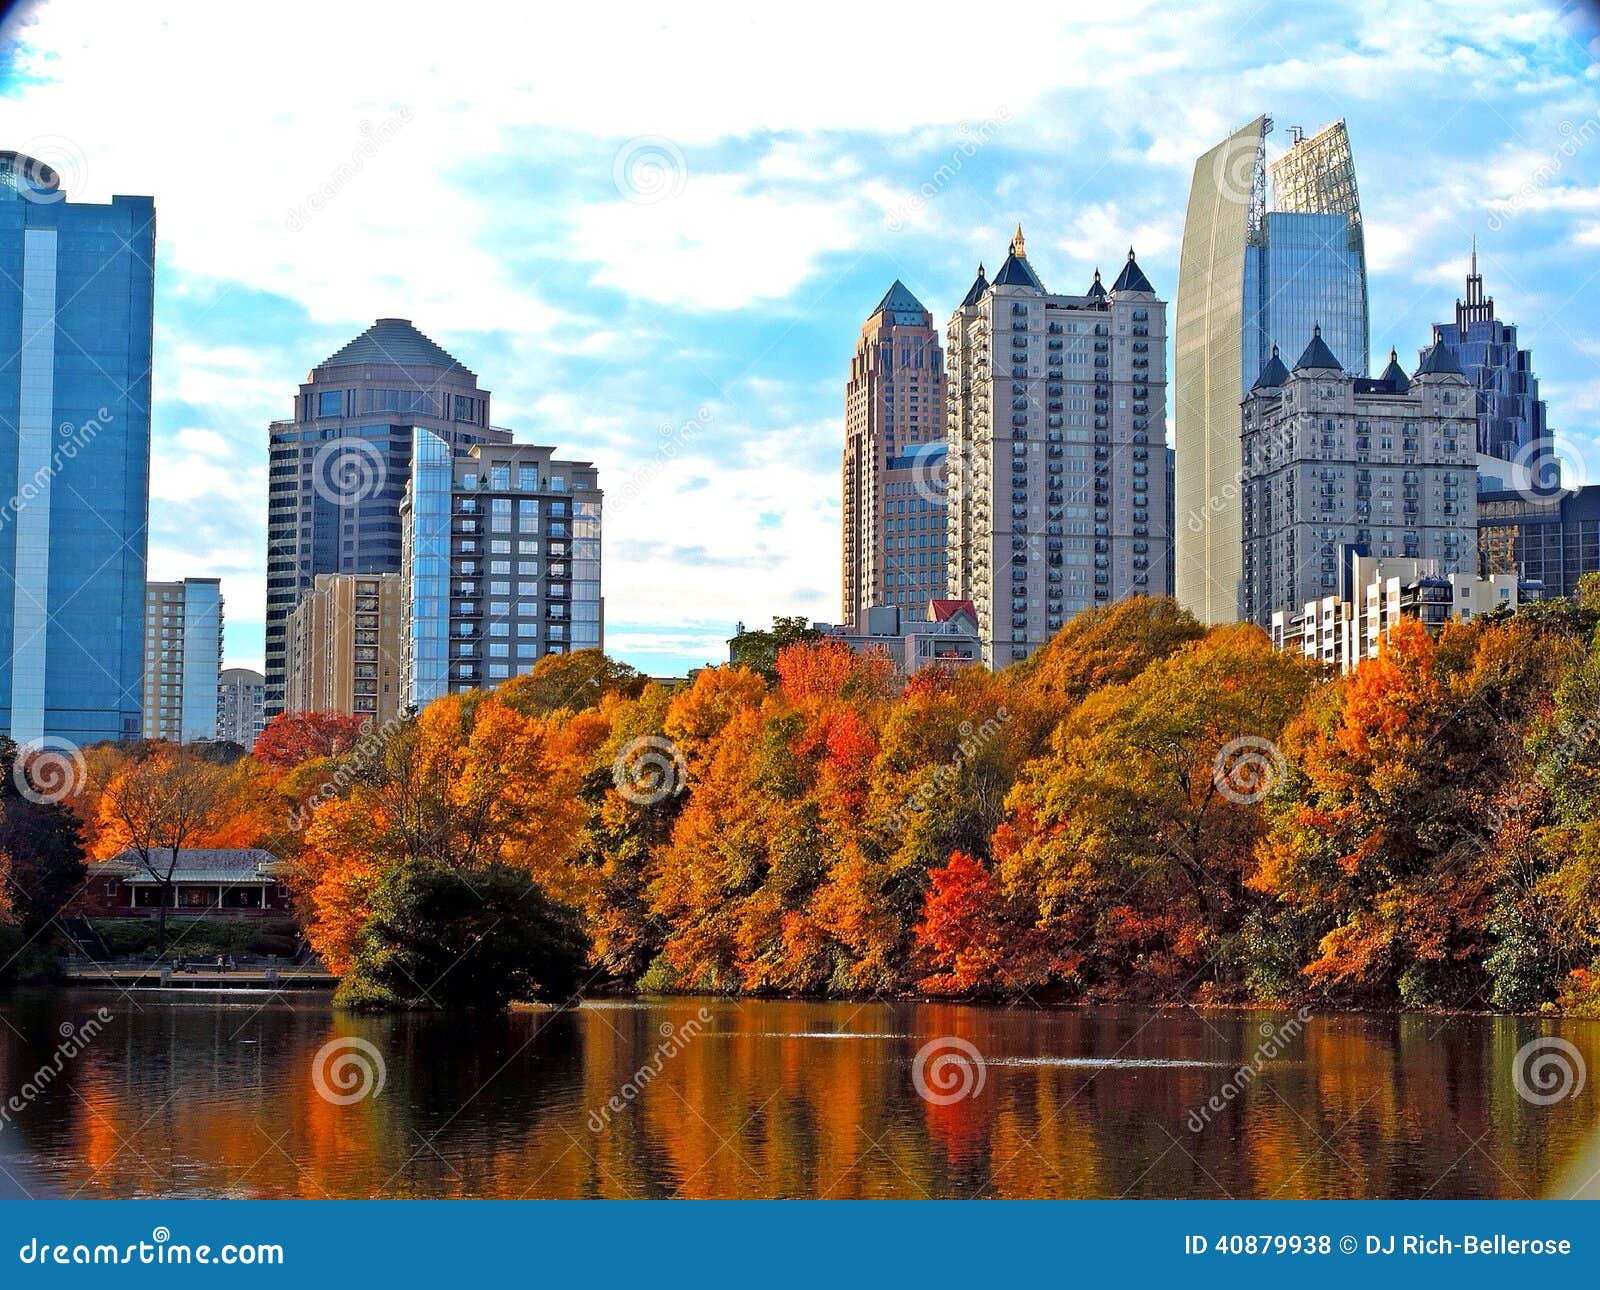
(449, 938)
(758, 649)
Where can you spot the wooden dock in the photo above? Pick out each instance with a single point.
(151, 976)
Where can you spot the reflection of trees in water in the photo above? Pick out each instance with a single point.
(201, 1098)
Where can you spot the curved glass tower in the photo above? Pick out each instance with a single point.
(1250, 277)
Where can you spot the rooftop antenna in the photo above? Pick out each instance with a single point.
(1296, 134)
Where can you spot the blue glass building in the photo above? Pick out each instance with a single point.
(77, 284)
(1304, 271)
(1511, 415)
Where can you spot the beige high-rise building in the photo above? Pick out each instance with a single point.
(894, 461)
(344, 644)
(1057, 451)
(182, 659)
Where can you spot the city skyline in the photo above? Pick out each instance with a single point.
(735, 261)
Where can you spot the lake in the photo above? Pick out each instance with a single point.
(208, 1094)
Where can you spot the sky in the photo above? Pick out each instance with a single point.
(655, 232)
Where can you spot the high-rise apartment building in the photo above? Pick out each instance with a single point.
(1511, 415)
(501, 564)
(1334, 462)
(1252, 275)
(345, 647)
(182, 659)
(77, 283)
(1056, 442)
(240, 719)
(894, 408)
(338, 469)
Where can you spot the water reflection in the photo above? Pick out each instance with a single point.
(213, 1095)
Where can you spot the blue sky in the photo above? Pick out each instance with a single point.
(655, 237)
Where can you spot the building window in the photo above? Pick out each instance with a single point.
(330, 403)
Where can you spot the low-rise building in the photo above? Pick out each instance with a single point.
(223, 881)
(1348, 626)
(947, 637)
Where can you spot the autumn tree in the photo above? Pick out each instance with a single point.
(156, 806)
(758, 648)
(291, 738)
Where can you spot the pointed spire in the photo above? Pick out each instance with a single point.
(980, 284)
(1317, 355)
(1394, 376)
(1132, 277)
(1097, 289)
(1439, 360)
(1273, 374)
(1016, 242)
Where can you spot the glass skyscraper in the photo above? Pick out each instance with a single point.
(1249, 278)
(77, 284)
(1511, 415)
(338, 469)
(501, 564)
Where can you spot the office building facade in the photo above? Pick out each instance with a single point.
(338, 469)
(1330, 461)
(1550, 538)
(500, 564)
(240, 715)
(182, 659)
(894, 460)
(1513, 439)
(1256, 270)
(1056, 450)
(77, 286)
